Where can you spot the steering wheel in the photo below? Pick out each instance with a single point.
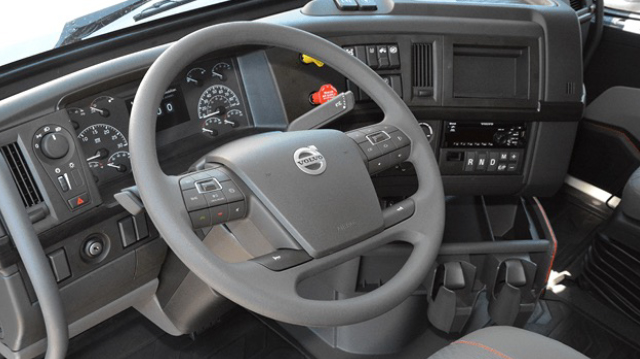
(315, 185)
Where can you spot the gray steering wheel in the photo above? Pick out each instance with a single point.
(340, 219)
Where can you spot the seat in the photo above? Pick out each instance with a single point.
(506, 343)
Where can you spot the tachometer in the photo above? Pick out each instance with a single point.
(216, 101)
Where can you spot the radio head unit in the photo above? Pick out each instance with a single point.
(484, 135)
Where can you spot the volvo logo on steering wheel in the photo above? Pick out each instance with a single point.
(310, 161)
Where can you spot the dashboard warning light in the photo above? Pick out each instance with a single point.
(326, 93)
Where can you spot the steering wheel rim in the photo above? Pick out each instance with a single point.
(273, 294)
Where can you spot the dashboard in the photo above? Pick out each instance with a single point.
(497, 93)
(207, 99)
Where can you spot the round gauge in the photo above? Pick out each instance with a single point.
(120, 161)
(211, 125)
(219, 70)
(234, 118)
(196, 76)
(100, 142)
(100, 105)
(216, 101)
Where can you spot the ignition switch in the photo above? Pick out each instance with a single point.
(93, 247)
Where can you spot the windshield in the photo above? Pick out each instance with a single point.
(30, 27)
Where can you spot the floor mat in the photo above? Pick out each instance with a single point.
(575, 217)
(239, 335)
(563, 323)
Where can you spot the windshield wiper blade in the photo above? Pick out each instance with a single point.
(77, 29)
(159, 7)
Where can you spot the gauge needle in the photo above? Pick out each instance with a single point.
(207, 130)
(212, 114)
(213, 73)
(114, 166)
(96, 156)
(227, 122)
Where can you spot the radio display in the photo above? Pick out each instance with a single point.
(484, 134)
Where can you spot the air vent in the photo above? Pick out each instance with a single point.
(22, 175)
(577, 4)
(422, 67)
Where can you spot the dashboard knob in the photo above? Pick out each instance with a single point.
(54, 145)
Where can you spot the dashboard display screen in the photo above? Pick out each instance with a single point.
(172, 110)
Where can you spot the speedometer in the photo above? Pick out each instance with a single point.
(216, 101)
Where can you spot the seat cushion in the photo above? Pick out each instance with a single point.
(506, 343)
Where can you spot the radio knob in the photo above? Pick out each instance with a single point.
(500, 138)
(54, 146)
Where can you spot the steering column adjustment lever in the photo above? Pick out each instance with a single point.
(212, 198)
(383, 146)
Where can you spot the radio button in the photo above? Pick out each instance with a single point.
(194, 200)
(400, 155)
(370, 150)
(237, 210)
(386, 147)
(379, 164)
(399, 139)
(200, 219)
(231, 192)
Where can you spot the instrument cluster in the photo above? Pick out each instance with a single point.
(206, 100)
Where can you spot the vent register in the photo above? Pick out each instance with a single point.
(22, 175)
(422, 69)
(577, 4)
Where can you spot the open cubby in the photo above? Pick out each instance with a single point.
(482, 219)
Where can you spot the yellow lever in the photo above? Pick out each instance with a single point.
(310, 60)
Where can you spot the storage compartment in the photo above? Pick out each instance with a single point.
(493, 247)
(490, 219)
(490, 72)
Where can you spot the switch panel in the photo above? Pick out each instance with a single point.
(212, 198)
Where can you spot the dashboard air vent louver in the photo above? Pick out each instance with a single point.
(577, 4)
(422, 68)
(22, 175)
